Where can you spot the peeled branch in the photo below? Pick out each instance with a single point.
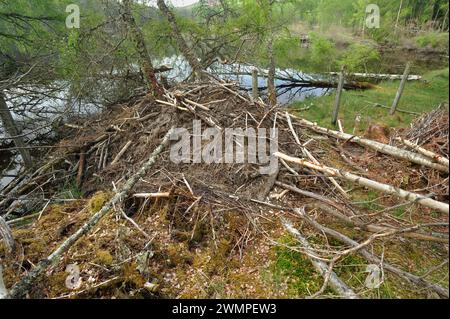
(377, 146)
(389, 189)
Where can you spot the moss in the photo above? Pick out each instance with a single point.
(131, 275)
(178, 254)
(97, 201)
(295, 270)
(104, 258)
(57, 283)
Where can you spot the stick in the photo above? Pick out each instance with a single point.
(337, 102)
(23, 286)
(311, 157)
(400, 89)
(255, 92)
(334, 281)
(122, 151)
(374, 259)
(151, 195)
(380, 147)
(389, 189)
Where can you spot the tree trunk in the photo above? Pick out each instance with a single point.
(13, 131)
(272, 94)
(181, 42)
(145, 62)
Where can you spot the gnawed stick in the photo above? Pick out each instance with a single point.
(23, 286)
(374, 259)
(334, 281)
(311, 157)
(385, 188)
(152, 195)
(120, 154)
(435, 157)
(377, 146)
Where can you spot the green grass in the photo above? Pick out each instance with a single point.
(420, 97)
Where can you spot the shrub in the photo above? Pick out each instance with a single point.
(360, 57)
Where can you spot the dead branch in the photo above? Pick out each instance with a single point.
(374, 259)
(377, 146)
(389, 189)
(22, 287)
(334, 281)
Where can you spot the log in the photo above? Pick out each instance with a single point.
(377, 146)
(376, 76)
(435, 157)
(385, 188)
(334, 282)
(21, 288)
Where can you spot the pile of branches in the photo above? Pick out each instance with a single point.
(125, 152)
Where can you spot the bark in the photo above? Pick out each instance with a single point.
(388, 189)
(435, 157)
(144, 58)
(271, 90)
(181, 42)
(13, 131)
(377, 146)
(21, 288)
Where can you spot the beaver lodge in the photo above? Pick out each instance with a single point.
(113, 216)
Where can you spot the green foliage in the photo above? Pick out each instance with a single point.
(322, 53)
(422, 96)
(433, 40)
(360, 57)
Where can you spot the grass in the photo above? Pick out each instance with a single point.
(419, 96)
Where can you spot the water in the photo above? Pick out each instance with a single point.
(287, 91)
(46, 104)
